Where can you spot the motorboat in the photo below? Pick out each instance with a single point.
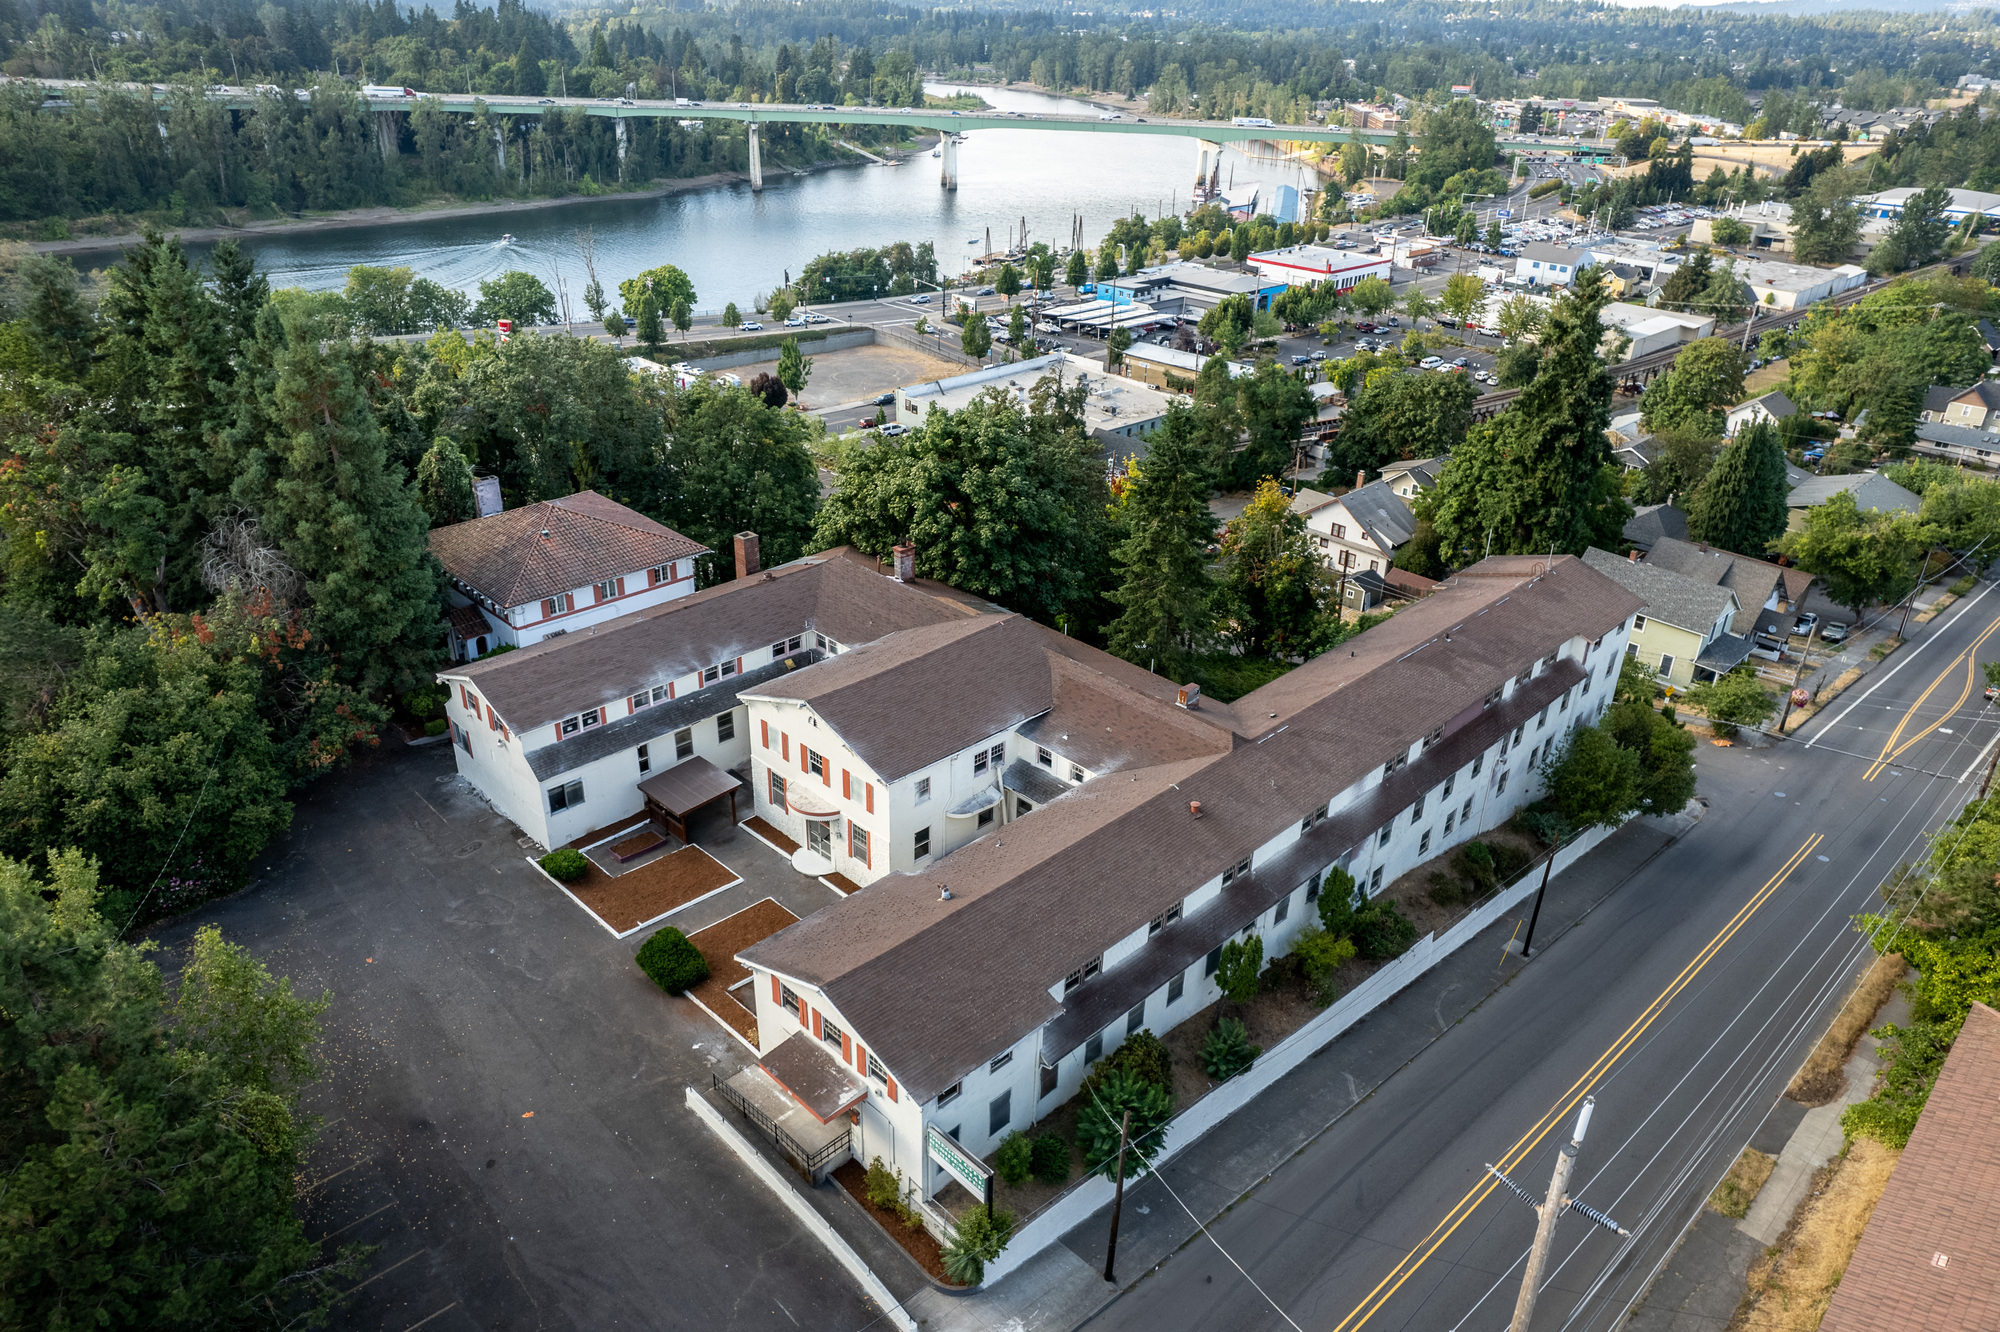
(506, 238)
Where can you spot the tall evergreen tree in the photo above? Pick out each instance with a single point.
(309, 460)
(1164, 585)
(1534, 479)
(528, 79)
(444, 484)
(1741, 504)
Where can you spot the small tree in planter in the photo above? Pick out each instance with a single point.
(674, 964)
(1228, 1050)
(1051, 1159)
(976, 1240)
(565, 865)
(1242, 962)
(1097, 1125)
(1015, 1159)
(1321, 954)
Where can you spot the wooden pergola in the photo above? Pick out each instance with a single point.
(675, 794)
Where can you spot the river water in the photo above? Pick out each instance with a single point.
(736, 244)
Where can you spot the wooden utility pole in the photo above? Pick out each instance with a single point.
(1117, 1197)
(1550, 1209)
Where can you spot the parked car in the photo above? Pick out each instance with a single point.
(1804, 624)
(921, 298)
(984, 291)
(895, 428)
(751, 326)
(884, 399)
(1301, 360)
(1319, 356)
(1835, 633)
(1364, 328)
(796, 321)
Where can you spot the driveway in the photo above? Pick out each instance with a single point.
(502, 1102)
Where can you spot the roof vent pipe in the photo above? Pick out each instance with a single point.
(1194, 808)
(944, 892)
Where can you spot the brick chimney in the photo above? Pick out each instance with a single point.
(906, 562)
(1361, 478)
(1632, 555)
(747, 560)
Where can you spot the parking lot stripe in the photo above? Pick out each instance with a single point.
(355, 1222)
(439, 1314)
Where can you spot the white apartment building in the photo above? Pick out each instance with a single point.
(526, 574)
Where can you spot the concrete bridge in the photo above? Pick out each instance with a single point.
(1208, 135)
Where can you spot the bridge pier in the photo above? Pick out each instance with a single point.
(499, 150)
(948, 178)
(1206, 155)
(388, 133)
(619, 126)
(756, 160)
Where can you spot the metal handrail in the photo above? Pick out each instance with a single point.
(809, 1161)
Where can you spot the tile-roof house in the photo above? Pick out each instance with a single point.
(1871, 491)
(1977, 407)
(1651, 523)
(1684, 631)
(525, 574)
(1763, 589)
(1772, 406)
(1930, 1257)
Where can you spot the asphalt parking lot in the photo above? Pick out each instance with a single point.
(502, 1102)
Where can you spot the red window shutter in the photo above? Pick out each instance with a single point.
(621, 587)
(802, 1012)
(764, 730)
(785, 746)
(825, 773)
(805, 764)
(558, 730)
(846, 1049)
(652, 577)
(846, 785)
(739, 665)
(869, 859)
(777, 997)
(860, 1060)
(892, 1090)
(868, 789)
(816, 1022)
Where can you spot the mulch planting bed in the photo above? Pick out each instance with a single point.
(719, 944)
(635, 846)
(755, 823)
(596, 835)
(649, 891)
(841, 884)
(917, 1241)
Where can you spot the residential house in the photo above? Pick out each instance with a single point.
(1651, 524)
(1772, 406)
(1411, 477)
(1356, 534)
(1871, 491)
(1930, 1256)
(1768, 594)
(1974, 408)
(1546, 265)
(1683, 632)
(1959, 444)
(527, 574)
(958, 1001)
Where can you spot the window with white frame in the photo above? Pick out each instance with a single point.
(645, 759)
(1083, 973)
(683, 743)
(921, 843)
(565, 795)
(1164, 919)
(923, 789)
(606, 590)
(661, 573)
(725, 726)
(949, 1094)
(560, 604)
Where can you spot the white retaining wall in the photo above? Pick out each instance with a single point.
(1072, 1208)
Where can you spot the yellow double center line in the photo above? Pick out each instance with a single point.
(1559, 1112)
(1896, 746)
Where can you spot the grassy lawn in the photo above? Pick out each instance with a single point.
(1759, 382)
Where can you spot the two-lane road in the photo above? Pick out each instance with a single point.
(1684, 1003)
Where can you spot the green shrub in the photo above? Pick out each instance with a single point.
(976, 1240)
(1051, 1159)
(674, 964)
(1445, 890)
(423, 702)
(1508, 861)
(1320, 955)
(1015, 1159)
(1281, 972)
(1474, 863)
(1228, 1050)
(436, 726)
(1336, 901)
(1544, 825)
(1097, 1124)
(881, 1185)
(1143, 1055)
(1242, 962)
(565, 865)
(1381, 932)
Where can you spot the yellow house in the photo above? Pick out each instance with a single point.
(1683, 632)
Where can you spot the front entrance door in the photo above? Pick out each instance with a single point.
(819, 837)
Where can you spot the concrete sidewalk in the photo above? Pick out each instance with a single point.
(1064, 1285)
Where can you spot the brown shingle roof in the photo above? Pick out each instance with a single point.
(838, 592)
(520, 556)
(1035, 899)
(1930, 1258)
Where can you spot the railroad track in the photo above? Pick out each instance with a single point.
(1635, 374)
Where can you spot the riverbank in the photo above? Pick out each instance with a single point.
(447, 208)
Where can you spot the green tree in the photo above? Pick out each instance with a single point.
(1593, 779)
(515, 295)
(1737, 699)
(528, 78)
(1279, 588)
(731, 316)
(380, 298)
(667, 283)
(1009, 282)
(1862, 559)
(308, 457)
(1919, 234)
(1161, 564)
(647, 324)
(1402, 416)
(1228, 323)
(794, 368)
(976, 338)
(1463, 295)
(782, 304)
(980, 1234)
(1539, 476)
(1730, 231)
(735, 464)
(999, 499)
(1017, 326)
(1241, 964)
(614, 324)
(1705, 379)
(433, 306)
(1077, 271)
(1123, 1105)
(444, 484)
(1666, 751)
(1240, 244)
(155, 1140)
(1273, 405)
(1741, 505)
(1371, 296)
(1107, 262)
(1467, 231)
(1115, 346)
(683, 318)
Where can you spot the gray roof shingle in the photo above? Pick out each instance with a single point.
(1871, 490)
(1683, 602)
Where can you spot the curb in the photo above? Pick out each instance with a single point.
(843, 1253)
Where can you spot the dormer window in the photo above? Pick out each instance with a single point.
(1437, 734)
(1235, 872)
(1164, 919)
(1044, 757)
(1082, 974)
(1493, 697)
